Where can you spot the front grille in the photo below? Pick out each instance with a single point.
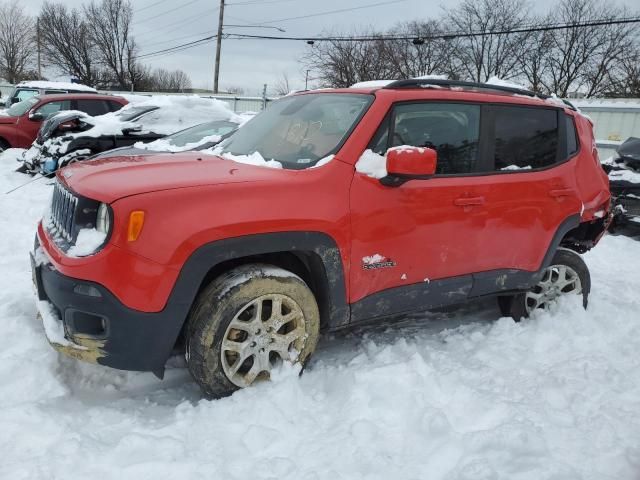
(63, 212)
(631, 205)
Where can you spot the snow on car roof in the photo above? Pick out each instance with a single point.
(165, 114)
(57, 86)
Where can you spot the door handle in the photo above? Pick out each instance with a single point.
(562, 192)
(468, 201)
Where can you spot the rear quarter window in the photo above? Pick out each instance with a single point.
(525, 138)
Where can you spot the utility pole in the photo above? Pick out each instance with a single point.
(38, 41)
(218, 47)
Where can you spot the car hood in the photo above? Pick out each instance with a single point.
(8, 120)
(108, 179)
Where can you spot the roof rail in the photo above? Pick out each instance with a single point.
(426, 82)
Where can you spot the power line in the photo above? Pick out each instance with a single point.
(165, 12)
(183, 46)
(445, 35)
(178, 24)
(330, 12)
(254, 2)
(149, 6)
(375, 38)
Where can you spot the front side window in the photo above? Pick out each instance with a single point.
(50, 108)
(452, 129)
(298, 131)
(525, 138)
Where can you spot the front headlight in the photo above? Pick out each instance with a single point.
(103, 222)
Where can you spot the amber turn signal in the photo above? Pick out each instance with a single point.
(136, 221)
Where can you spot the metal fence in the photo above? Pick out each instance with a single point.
(614, 120)
(239, 104)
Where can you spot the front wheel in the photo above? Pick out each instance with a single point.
(247, 322)
(567, 275)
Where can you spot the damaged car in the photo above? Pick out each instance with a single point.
(623, 170)
(73, 136)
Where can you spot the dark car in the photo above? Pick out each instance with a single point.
(74, 136)
(624, 181)
(19, 124)
(198, 137)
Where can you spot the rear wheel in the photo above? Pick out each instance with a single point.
(567, 275)
(245, 324)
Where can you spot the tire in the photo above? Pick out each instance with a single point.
(228, 347)
(567, 274)
(4, 145)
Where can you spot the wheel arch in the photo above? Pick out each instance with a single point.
(313, 256)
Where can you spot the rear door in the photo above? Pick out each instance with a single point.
(528, 187)
(92, 107)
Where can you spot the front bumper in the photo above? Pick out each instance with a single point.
(96, 327)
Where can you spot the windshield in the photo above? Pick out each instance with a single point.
(298, 131)
(20, 108)
(133, 113)
(199, 132)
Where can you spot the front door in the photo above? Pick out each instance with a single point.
(423, 234)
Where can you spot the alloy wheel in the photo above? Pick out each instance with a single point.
(264, 333)
(557, 280)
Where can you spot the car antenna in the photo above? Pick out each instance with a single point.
(48, 175)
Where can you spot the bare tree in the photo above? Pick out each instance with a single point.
(493, 54)
(282, 86)
(626, 76)
(424, 56)
(343, 63)
(67, 44)
(110, 26)
(17, 35)
(581, 58)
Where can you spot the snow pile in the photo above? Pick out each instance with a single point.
(10, 155)
(323, 161)
(254, 159)
(457, 395)
(504, 83)
(624, 175)
(373, 259)
(57, 86)
(372, 84)
(372, 164)
(88, 241)
(516, 167)
(432, 77)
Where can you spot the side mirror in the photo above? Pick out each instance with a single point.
(407, 163)
(36, 116)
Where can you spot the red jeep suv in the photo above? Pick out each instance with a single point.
(329, 208)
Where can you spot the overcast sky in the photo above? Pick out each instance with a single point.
(160, 24)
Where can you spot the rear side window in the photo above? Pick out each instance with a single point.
(92, 107)
(452, 129)
(525, 138)
(114, 106)
(572, 140)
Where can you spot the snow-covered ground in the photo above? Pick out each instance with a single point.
(457, 395)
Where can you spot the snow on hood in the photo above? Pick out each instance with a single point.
(57, 86)
(110, 178)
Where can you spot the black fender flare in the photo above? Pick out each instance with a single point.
(209, 255)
